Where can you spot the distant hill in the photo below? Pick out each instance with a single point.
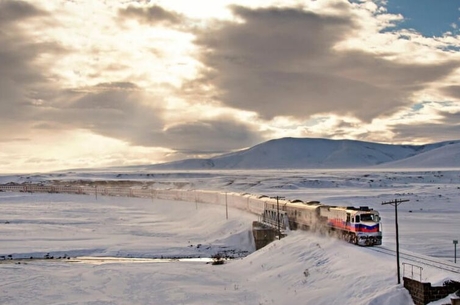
(447, 156)
(304, 153)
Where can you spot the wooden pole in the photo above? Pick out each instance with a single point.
(226, 207)
(396, 202)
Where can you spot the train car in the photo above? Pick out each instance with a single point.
(304, 215)
(292, 215)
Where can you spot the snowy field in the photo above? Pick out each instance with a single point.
(303, 268)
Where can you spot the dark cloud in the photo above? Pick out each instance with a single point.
(453, 91)
(112, 110)
(211, 136)
(428, 132)
(283, 62)
(22, 79)
(152, 15)
(14, 140)
(13, 10)
(117, 111)
(118, 85)
(445, 129)
(451, 119)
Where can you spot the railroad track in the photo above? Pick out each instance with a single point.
(411, 257)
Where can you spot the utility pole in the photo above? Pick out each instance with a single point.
(455, 250)
(395, 203)
(278, 214)
(226, 206)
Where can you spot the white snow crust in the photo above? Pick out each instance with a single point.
(303, 268)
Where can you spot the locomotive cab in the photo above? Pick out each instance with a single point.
(367, 228)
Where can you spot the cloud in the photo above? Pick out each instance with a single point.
(33, 103)
(210, 136)
(121, 111)
(426, 132)
(14, 140)
(118, 85)
(283, 62)
(112, 110)
(451, 119)
(13, 11)
(152, 15)
(437, 121)
(22, 78)
(453, 91)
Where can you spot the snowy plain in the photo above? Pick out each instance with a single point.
(303, 268)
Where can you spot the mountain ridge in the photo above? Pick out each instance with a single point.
(310, 153)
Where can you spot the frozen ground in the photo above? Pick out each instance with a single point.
(303, 268)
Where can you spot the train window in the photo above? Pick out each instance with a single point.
(348, 217)
(368, 217)
(357, 218)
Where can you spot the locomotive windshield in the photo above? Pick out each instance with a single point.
(369, 217)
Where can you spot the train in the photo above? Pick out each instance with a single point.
(357, 225)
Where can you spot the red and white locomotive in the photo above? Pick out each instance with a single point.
(357, 225)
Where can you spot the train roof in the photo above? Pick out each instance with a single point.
(352, 208)
(361, 208)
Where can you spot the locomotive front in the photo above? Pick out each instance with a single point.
(366, 225)
(357, 225)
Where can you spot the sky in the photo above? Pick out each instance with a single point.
(113, 83)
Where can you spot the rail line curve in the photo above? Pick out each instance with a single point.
(413, 257)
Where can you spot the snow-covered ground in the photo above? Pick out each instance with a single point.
(303, 268)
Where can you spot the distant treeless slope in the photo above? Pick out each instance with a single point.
(298, 153)
(447, 156)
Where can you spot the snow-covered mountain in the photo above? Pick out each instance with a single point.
(438, 157)
(301, 153)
